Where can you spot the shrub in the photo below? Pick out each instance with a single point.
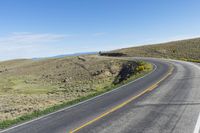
(140, 68)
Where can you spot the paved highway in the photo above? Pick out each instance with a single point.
(164, 101)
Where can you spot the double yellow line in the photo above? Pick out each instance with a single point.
(152, 87)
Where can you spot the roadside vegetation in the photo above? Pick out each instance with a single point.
(32, 88)
(187, 50)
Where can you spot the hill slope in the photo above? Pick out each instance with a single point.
(27, 86)
(184, 49)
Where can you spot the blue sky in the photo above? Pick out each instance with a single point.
(39, 28)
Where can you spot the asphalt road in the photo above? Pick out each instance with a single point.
(164, 101)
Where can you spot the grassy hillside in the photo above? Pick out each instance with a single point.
(185, 49)
(29, 88)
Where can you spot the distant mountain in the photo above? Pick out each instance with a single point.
(65, 55)
(74, 54)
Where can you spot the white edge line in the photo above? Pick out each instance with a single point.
(186, 62)
(197, 126)
(155, 67)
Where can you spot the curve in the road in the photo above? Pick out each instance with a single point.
(112, 102)
(152, 87)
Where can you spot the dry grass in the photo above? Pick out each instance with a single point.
(185, 49)
(27, 85)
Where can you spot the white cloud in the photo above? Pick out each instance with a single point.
(30, 38)
(27, 45)
(99, 34)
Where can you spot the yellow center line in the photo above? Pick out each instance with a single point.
(152, 87)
